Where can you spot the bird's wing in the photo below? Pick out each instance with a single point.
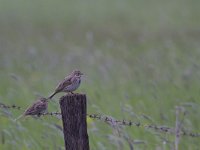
(35, 108)
(41, 107)
(30, 111)
(63, 84)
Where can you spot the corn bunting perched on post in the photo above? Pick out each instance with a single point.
(69, 84)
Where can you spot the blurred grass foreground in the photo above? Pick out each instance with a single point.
(141, 59)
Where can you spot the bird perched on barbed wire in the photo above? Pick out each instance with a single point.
(38, 108)
(69, 84)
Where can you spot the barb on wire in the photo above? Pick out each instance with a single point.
(51, 114)
(9, 106)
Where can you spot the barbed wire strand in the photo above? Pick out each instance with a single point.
(113, 122)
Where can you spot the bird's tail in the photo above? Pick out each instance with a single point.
(22, 115)
(52, 95)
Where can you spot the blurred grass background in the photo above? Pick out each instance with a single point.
(141, 58)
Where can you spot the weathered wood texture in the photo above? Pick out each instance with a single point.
(74, 110)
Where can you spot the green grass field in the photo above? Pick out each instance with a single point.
(141, 58)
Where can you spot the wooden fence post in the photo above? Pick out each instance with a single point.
(74, 111)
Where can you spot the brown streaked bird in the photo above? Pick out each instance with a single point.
(69, 84)
(38, 108)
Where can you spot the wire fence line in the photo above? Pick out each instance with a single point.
(113, 122)
(9, 106)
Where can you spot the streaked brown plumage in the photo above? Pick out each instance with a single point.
(69, 84)
(39, 107)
